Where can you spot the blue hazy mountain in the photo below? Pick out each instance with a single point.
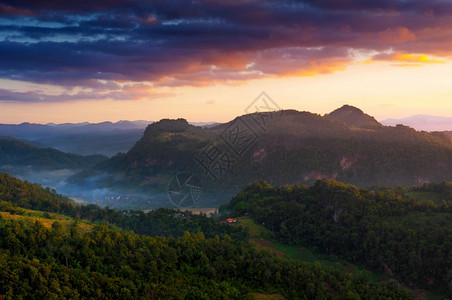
(16, 153)
(105, 138)
(423, 122)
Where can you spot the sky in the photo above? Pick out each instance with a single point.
(207, 60)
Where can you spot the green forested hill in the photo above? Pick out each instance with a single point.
(107, 264)
(406, 233)
(18, 153)
(104, 261)
(287, 147)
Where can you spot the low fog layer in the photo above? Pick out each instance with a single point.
(57, 179)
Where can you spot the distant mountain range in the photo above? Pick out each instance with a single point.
(15, 153)
(423, 122)
(104, 138)
(285, 147)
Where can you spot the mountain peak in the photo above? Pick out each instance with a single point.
(348, 108)
(353, 117)
(169, 125)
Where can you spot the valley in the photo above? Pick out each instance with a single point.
(211, 149)
(87, 226)
(347, 145)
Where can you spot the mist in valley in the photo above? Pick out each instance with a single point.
(88, 193)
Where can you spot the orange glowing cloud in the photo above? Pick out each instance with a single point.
(316, 68)
(204, 43)
(417, 58)
(406, 59)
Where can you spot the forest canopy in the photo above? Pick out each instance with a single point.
(106, 260)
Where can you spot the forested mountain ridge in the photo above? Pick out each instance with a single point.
(406, 233)
(98, 261)
(287, 147)
(19, 153)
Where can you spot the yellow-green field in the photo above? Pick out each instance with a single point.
(257, 296)
(262, 238)
(255, 230)
(46, 219)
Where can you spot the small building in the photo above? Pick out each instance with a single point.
(231, 220)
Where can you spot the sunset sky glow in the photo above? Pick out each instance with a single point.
(206, 60)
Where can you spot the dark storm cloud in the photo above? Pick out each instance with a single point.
(76, 43)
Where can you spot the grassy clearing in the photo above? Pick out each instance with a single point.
(424, 197)
(46, 219)
(266, 245)
(262, 238)
(257, 296)
(254, 229)
(306, 255)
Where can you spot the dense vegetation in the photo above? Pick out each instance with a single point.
(293, 147)
(164, 222)
(18, 153)
(386, 229)
(106, 263)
